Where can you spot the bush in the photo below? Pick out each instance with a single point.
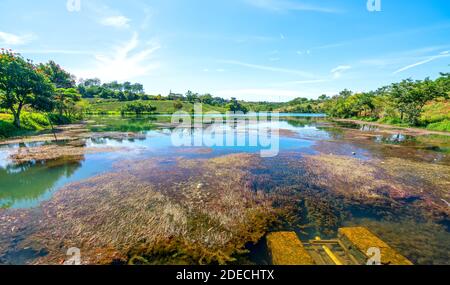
(34, 121)
(7, 129)
(138, 107)
(60, 119)
(390, 120)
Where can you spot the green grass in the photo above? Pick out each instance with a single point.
(436, 112)
(436, 115)
(443, 126)
(30, 122)
(101, 106)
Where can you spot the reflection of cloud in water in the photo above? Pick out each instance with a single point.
(4, 158)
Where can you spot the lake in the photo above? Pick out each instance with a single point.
(121, 191)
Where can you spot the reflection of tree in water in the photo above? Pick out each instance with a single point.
(124, 124)
(299, 122)
(32, 180)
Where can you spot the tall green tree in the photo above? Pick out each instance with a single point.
(65, 100)
(22, 84)
(411, 96)
(57, 75)
(235, 106)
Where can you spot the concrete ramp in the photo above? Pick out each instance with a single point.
(285, 248)
(353, 246)
(359, 240)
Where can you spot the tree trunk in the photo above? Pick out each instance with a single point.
(17, 120)
(16, 114)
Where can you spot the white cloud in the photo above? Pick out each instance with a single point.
(119, 22)
(289, 5)
(338, 71)
(430, 59)
(269, 68)
(11, 39)
(126, 63)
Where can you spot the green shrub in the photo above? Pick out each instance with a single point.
(390, 121)
(7, 129)
(59, 119)
(34, 121)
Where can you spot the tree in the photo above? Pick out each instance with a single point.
(91, 82)
(178, 105)
(444, 82)
(191, 97)
(138, 108)
(57, 75)
(206, 99)
(235, 106)
(137, 88)
(323, 98)
(21, 84)
(65, 101)
(411, 96)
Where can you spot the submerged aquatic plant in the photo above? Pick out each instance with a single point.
(137, 215)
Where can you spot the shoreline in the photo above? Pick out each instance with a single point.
(410, 130)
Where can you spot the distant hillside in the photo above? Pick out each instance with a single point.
(111, 106)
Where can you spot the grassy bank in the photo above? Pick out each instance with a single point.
(435, 117)
(31, 123)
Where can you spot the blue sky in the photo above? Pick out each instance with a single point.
(272, 50)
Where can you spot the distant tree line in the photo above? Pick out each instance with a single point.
(48, 88)
(127, 91)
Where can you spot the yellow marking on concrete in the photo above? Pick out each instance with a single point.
(330, 254)
(362, 240)
(285, 248)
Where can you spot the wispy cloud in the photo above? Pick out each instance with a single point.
(107, 16)
(126, 63)
(289, 5)
(430, 59)
(338, 71)
(15, 40)
(269, 68)
(395, 59)
(377, 37)
(120, 22)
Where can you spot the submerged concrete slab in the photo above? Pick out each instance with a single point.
(358, 240)
(285, 248)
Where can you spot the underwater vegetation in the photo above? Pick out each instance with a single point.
(200, 206)
(135, 215)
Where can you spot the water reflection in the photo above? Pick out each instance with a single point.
(23, 185)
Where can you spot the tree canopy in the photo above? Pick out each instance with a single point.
(21, 84)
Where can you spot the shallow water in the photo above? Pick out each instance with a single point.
(320, 210)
